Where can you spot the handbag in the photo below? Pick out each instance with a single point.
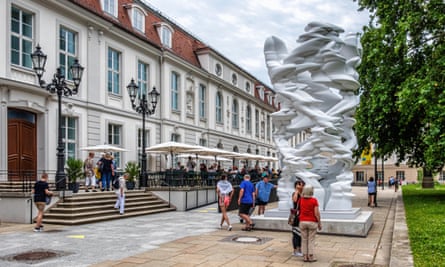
(293, 217)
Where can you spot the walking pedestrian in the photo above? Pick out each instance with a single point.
(246, 201)
(309, 222)
(372, 189)
(90, 177)
(40, 192)
(225, 191)
(296, 232)
(120, 193)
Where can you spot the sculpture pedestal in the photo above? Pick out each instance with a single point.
(351, 223)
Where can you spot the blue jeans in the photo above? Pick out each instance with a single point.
(106, 176)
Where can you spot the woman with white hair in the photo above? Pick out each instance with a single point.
(309, 222)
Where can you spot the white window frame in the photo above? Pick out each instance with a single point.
(67, 56)
(202, 101)
(115, 138)
(113, 71)
(248, 119)
(138, 18)
(110, 7)
(219, 108)
(143, 78)
(235, 114)
(26, 43)
(175, 80)
(70, 142)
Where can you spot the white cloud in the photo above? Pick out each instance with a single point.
(238, 28)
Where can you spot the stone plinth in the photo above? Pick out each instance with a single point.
(351, 223)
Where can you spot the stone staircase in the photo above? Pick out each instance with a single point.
(83, 208)
(20, 187)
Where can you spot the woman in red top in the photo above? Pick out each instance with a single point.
(309, 222)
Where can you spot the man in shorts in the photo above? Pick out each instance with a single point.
(262, 191)
(40, 191)
(246, 201)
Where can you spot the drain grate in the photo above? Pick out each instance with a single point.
(35, 256)
(247, 239)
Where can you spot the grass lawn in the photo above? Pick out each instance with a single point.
(425, 216)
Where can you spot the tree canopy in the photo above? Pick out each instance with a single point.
(402, 107)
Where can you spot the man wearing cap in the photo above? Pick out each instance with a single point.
(262, 191)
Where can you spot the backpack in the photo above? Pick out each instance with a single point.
(116, 183)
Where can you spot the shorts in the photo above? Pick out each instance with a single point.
(40, 206)
(224, 201)
(245, 208)
(261, 203)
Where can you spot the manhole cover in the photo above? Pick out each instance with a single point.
(35, 256)
(247, 239)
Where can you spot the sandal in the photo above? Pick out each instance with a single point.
(312, 259)
(305, 258)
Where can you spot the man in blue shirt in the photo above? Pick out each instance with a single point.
(246, 201)
(262, 191)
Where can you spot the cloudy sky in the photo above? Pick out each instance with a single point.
(238, 28)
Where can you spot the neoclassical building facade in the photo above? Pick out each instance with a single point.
(205, 98)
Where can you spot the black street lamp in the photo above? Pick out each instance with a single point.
(60, 87)
(143, 107)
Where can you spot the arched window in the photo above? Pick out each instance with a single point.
(235, 115)
(219, 107)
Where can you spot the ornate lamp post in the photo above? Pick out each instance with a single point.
(144, 107)
(60, 87)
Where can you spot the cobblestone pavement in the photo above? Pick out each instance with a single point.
(193, 238)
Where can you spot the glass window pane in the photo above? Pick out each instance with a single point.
(27, 30)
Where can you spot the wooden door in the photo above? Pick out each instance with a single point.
(22, 145)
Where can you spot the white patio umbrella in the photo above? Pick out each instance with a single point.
(203, 157)
(104, 148)
(172, 148)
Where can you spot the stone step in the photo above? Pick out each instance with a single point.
(115, 216)
(96, 207)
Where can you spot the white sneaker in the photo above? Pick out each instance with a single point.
(297, 254)
(229, 228)
(220, 226)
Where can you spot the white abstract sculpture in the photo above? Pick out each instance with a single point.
(315, 84)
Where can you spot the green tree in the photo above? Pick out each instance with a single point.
(402, 107)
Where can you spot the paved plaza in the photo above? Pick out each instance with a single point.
(193, 238)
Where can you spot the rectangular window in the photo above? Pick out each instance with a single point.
(109, 6)
(113, 71)
(138, 20)
(257, 123)
(235, 114)
(359, 177)
(166, 37)
(142, 78)
(268, 127)
(175, 91)
(248, 119)
(218, 108)
(379, 175)
(400, 175)
(67, 50)
(202, 142)
(69, 136)
(114, 138)
(175, 137)
(202, 101)
(22, 34)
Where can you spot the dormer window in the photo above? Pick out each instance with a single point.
(137, 15)
(234, 79)
(110, 7)
(165, 32)
(260, 89)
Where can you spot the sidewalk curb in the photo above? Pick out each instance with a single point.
(401, 254)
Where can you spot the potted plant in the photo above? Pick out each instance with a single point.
(133, 170)
(74, 171)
